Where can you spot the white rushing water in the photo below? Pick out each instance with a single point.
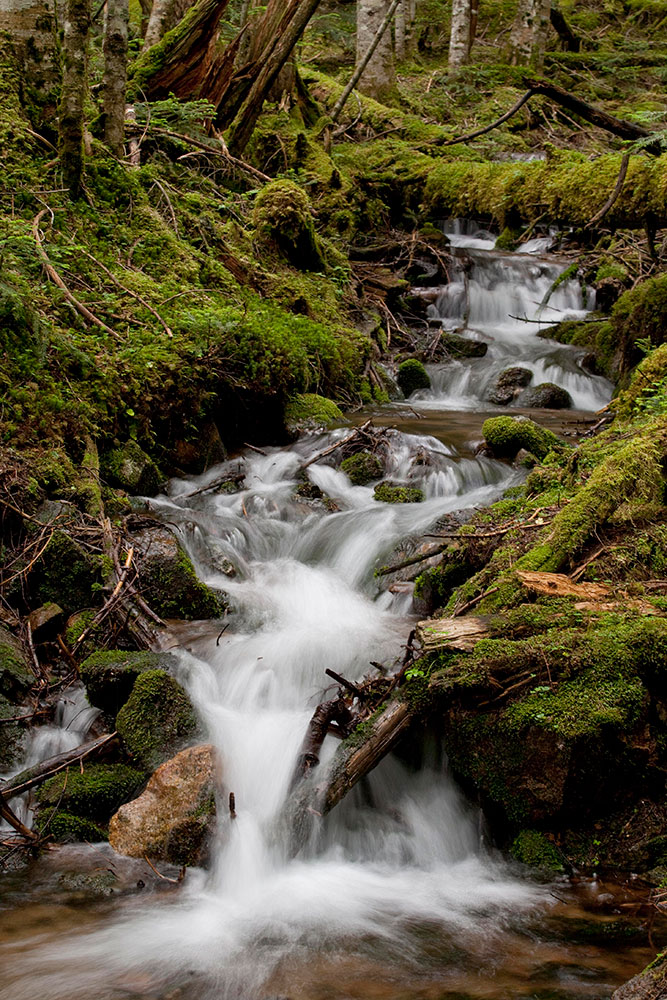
(398, 873)
(505, 300)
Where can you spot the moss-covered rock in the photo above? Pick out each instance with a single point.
(11, 736)
(505, 436)
(362, 468)
(640, 315)
(308, 412)
(131, 469)
(412, 376)
(283, 218)
(65, 827)
(651, 984)
(16, 678)
(46, 622)
(156, 720)
(531, 847)
(109, 676)
(94, 794)
(388, 492)
(168, 580)
(67, 574)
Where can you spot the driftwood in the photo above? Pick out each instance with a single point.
(38, 774)
(10, 817)
(334, 711)
(455, 633)
(334, 447)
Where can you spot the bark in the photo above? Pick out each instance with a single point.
(32, 26)
(365, 61)
(378, 78)
(459, 39)
(474, 16)
(288, 32)
(75, 60)
(400, 30)
(38, 774)
(529, 33)
(115, 75)
(410, 18)
(569, 41)
(165, 15)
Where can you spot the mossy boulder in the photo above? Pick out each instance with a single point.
(546, 396)
(131, 469)
(412, 376)
(640, 315)
(65, 828)
(16, 678)
(173, 817)
(505, 436)
(308, 412)
(93, 795)
(531, 847)
(66, 575)
(11, 736)
(156, 719)
(388, 492)
(109, 676)
(168, 580)
(362, 468)
(283, 218)
(509, 384)
(46, 622)
(651, 984)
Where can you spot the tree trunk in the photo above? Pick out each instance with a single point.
(378, 79)
(529, 33)
(75, 63)
(165, 15)
(32, 27)
(474, 16)
(400, 31)
(115, 75)
(410, 18)
(288, 32)
(459, 38)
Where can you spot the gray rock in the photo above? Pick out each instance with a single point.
(16, 677)
(46, 622)
(131, 469)
(546, 396)
(509, 384)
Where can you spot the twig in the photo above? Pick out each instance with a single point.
(345, 683)
(475, 600)
(223, 153)
(165, 878)
(135, 295)
(253, 448)
(487, 128)
(232, 805)
(57, 280)
(613, 197)
(174, 220)
(339, 444)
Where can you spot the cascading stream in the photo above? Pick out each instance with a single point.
(397, 895)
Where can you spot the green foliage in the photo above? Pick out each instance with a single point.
(531, 847)
(186, 117)
(397, 493)
(412, 376)
(362, 468)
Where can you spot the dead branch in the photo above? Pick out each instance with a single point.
(223, 152)
(53, 275)
(36, 775)
(135, 295)
(488, 128)
(334, 447)
(613, 197)
(10, 817)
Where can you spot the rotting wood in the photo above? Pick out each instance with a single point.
(324, 715)
(455, 633)
(38, 774)
(560, 585)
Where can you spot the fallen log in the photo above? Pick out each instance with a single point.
(324, 715)
(457, 633)
(38, 774)
(10, 817)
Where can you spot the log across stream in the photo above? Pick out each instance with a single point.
(396, 892)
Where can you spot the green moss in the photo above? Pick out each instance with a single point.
(531, 847)
(170, 584)
(66, 574)
(130, 468)
(16, 679)
(362, 468)
(65, 827)
(640, 315)
(11, 736)
(95, 794)
(412, 376)
(505, 436)
(647, 391)
(156, 720)
(308, 411)
(282, 217)
(508, 239)
(109, 676)
(396, 493)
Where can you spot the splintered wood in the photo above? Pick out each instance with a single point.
(559, 585)
(458, 633)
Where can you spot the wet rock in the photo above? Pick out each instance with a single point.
(66, 574)
(156, 720)
(45, 622)
(590, 364)
(607, 293)
(109, 676)
(84, 798)
(509, 384)
(389, 492)
(525, 459)
(546, 396)
(506, 436)
(412, 376)
(651, 984)
(172, 819)
(16, 677)
(362, 468)
(131, 469)
(168, 581)
(198, 453)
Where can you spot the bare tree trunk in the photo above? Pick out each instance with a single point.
(115, 74)
(410, 18)
(474, 17)
(268, 28)
(32, 27)
(529, 33)
(165, 15)
(378, 78)
(459, 38)
(146, 8)
(275, 55)
(75, 60)
(400, 30)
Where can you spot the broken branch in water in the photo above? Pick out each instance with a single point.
(40, 772)
(338, 444)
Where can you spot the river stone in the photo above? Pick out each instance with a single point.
(651, 984)
(172, 819)
(109, 676)
(168, 581)
(546, 396)
(46, 622)
(66, 575)
(508, 385)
